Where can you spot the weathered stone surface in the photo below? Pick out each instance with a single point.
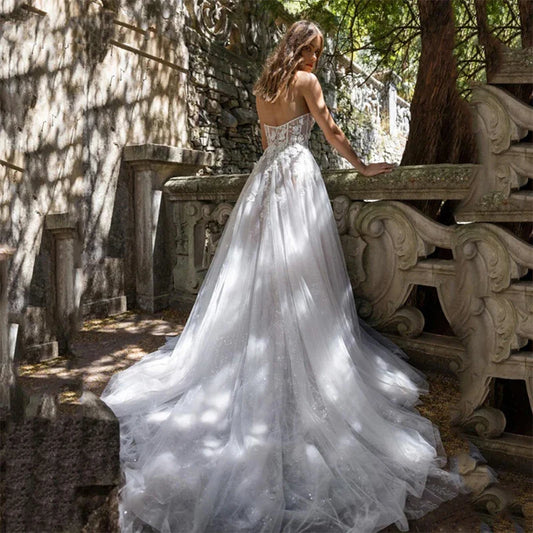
(428, 181)
(67, 298)
(499, 190)
(245, 116)
(227, 119)
(152, 165)
(410, 182)
(7, 370)
(167, 155)
(60, 468)
(516, 66)
(114, 78)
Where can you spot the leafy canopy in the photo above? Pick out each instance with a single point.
(385, 34)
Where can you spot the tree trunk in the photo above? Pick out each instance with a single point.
(526, 22)
(491, 44)
(441, 128)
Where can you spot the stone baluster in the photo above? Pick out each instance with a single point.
(391, 101)
(497, 193)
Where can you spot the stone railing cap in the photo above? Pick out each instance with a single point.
(444, 181)
(166, 154)
(59, 221)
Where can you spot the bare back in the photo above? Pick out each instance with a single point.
(304, 96)
(285, 108)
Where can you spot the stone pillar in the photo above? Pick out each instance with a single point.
(392, 101)
(147, 208)
(7, 373)
(63, 228)
(152, 165)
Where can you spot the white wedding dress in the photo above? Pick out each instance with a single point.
(276, 409)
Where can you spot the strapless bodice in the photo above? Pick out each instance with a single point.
(294, 131)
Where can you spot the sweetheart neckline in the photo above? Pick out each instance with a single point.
(288, 122)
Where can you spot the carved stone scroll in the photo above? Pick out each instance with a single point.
(501, 121)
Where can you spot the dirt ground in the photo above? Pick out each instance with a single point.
(106, 346)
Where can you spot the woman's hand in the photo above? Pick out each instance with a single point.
(377, 168)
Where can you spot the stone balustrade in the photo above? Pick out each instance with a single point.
(390, 248)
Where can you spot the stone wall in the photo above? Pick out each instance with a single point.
(225, 60)
(79, 82)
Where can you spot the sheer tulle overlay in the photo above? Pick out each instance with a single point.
(276, 409)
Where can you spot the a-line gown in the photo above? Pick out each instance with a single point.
(276, 409)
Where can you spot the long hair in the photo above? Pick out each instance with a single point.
(282, 64)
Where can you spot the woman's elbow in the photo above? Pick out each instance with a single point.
(334, 135)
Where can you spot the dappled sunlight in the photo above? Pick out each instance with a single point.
(157, 417)
(102, 348)
(256, 347)
(76, 97)
(392, 379)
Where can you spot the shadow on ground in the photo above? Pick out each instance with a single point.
(105, 346)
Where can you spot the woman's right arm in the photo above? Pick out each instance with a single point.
(312, 92)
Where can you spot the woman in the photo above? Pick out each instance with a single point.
(275, 409)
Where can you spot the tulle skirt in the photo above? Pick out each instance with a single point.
(276, 409)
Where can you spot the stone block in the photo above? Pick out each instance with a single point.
(244, 116)
(228, 120)
(58, 470)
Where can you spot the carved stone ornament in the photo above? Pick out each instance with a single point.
(493, 500)
(487, 422)
(500, 116)
(212, 17)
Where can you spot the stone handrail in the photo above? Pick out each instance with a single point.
(407, 183)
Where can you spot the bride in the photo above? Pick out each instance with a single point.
(276, 409)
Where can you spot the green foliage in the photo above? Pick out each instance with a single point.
(504, 23)
(385, 34)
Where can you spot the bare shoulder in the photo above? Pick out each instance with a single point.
(306, 79)
(259, 104)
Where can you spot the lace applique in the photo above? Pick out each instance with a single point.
(294, 131)
(284, 142)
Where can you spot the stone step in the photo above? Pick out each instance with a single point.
(510, 451)
(431, 351)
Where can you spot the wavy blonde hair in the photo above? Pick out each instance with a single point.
(282, 64)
